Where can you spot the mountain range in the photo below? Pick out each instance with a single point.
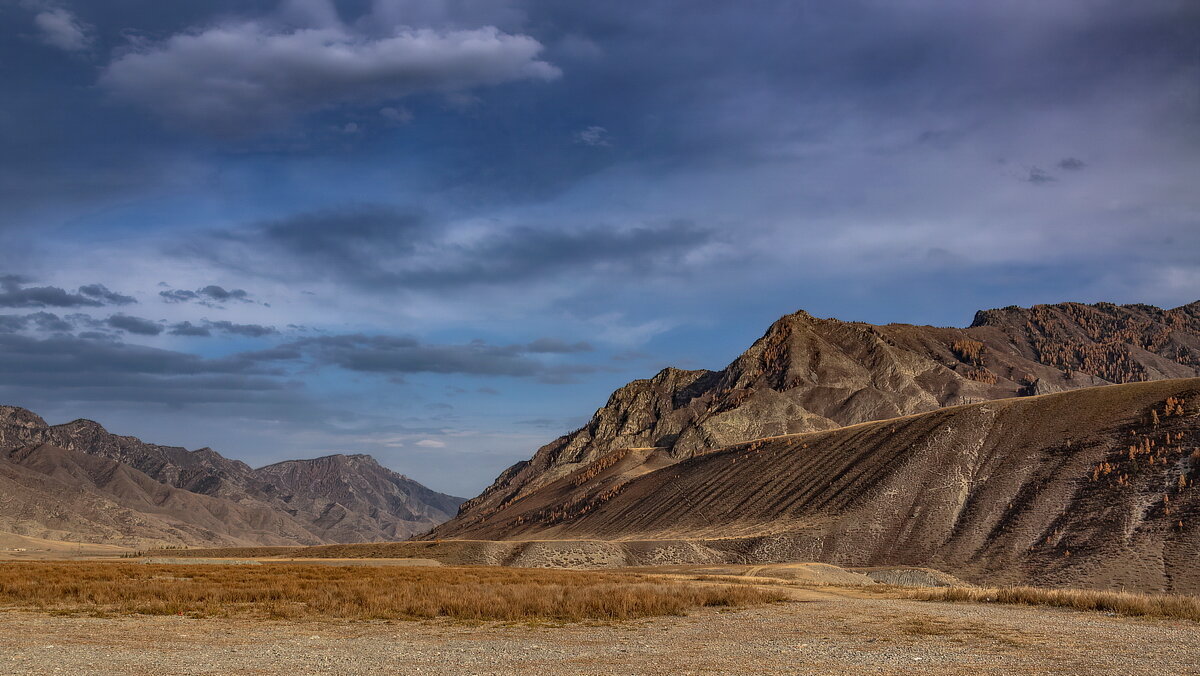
(1056, 444)
(79, 482)
(808, 374)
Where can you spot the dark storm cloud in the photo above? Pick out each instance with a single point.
(49, 322)
(246, 330)
(190, 329)
(178, 296)
(75, 368)
(220, 294)
(1071, 163)
(16, 292)
(1038, 176)
(46, 322)
(101, 293)
(386, 355)
(210, 296)
(135, 325)
(556, 346)
(394, 355)
(206, 328)
(740, 85)
(385, 248)
(11, 323)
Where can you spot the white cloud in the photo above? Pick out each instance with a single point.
(593, 136)
(431, 443)
(396, 114)
(241, 77)
(62, 29)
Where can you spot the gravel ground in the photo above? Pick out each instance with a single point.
(822, 631)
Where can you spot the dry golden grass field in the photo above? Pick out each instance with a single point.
(294, 591)
(1129, 604)
(284, 619)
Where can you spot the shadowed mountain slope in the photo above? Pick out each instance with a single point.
(205, 497)
(1094, 487)
(355, 494)
(74, 495)
(808, 374)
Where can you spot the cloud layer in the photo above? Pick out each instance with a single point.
(16, 292)
(388, 249)
(239, 78)
(85, 369)
(398, 355)
(209, 296)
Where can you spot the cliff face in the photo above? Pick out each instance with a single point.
(327, 500)
(809, 374)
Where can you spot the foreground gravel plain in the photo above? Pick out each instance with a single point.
(822, 631)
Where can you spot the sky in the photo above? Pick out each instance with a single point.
(443, 231)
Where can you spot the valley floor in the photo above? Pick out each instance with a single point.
(822, 630)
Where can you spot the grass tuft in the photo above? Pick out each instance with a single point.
(1172, 606)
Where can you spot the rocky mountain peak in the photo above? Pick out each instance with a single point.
(807, 374)
(17, 416)
(82, 428)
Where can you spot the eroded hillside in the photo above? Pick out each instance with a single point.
(808, 374)
(1093, 487)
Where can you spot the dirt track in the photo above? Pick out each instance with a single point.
(823, 631)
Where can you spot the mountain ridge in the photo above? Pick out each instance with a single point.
(301, 513)
(807, 374)
(1093, 487)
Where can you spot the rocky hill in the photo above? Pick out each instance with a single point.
(1089, 488)
(353, 494)
(78, 481)
(60, 494)
(808, 374)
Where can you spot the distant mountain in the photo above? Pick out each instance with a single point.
(1095, 487)
(354, 495)
(81, 481)
(808, 374)
(61, 494)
